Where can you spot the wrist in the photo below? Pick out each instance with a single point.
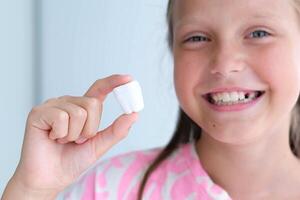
(15, 189)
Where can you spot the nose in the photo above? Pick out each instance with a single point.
(227, 59)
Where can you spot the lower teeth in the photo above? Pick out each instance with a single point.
(232, 103)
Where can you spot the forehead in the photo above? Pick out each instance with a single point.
(186, 10)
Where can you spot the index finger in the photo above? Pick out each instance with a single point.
(102, 87)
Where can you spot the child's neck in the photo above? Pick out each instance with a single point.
(258, 168)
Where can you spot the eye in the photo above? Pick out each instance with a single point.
(197, 39)
(259, 34)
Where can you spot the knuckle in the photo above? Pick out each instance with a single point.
(51, 100)
(64, 97)
(119, 134)
(80, 113)
(58, 134)
(88, 130)
(93, 103)
(88, 134)
(98, 81)
(62, 116)
(71, 137)
(33, 113)
(34, 110)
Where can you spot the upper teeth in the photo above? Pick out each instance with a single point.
(232, 96)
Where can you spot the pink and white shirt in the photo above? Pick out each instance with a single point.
(179, 177)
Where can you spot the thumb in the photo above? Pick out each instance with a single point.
(110, 136)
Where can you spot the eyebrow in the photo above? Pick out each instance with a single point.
(188, 21)
(198, 19)
(259, 16)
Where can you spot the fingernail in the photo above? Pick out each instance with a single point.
(130, 127)
(127, 75)
(62, 141)
(81, 140)
(52, 137)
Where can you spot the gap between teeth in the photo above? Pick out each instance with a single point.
(233, 97)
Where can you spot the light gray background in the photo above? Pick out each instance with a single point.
(50, 48)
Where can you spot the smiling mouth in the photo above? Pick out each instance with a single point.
(232, 98)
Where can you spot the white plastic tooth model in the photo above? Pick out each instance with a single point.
(130, 97)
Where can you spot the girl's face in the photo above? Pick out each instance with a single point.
(237, 45)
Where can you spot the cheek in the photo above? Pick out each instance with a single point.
(182, 83)
(187, 73)
(278, 67)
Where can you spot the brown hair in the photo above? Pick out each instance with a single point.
(187, 130)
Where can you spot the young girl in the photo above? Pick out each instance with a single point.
(237, 79)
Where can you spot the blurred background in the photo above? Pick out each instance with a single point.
(50, 48)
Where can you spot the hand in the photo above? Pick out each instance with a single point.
(61, 138)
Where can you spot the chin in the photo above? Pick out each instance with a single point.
(232, 136)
